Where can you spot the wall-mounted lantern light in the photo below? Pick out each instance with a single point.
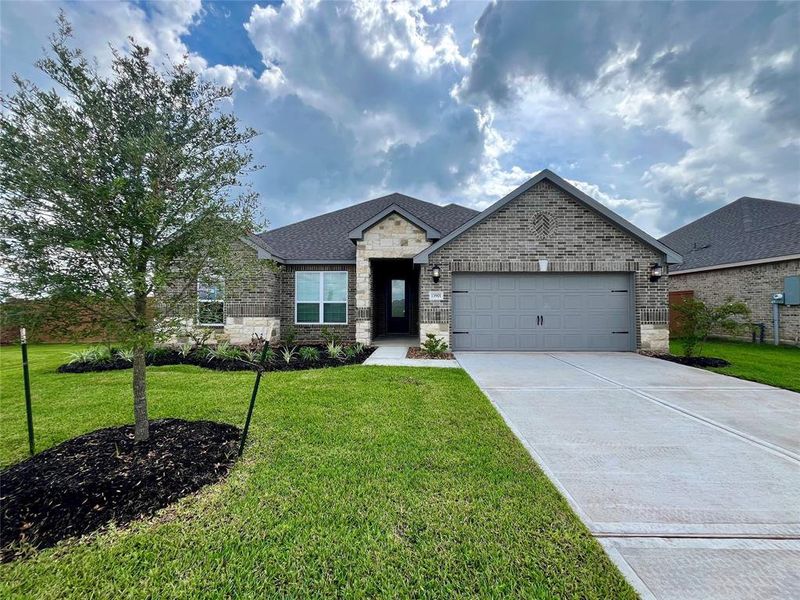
(436, 272)
(656, 271)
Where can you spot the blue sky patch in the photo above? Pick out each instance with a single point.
(219, 35)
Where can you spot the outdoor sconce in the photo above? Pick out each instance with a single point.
(437, 273)
(656, 271)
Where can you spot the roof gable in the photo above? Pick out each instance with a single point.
(326, 238)
(671, 256)
(431, 233)
(747, 229)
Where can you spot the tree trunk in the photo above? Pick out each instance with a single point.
(141, 424)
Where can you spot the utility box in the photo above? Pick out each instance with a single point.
(791, 290)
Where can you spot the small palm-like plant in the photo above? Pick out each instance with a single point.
(93, 354)
(288, 353)
(125, 354)
(351, 351)
(224, 351)
(334, 350)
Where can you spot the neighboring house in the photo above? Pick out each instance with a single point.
(544, 268)
(742, 251)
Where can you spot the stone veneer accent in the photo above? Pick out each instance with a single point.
(753, 285)
(392, 237)
(577, 240)
(251, 300)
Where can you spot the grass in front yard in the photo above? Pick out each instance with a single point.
(764, 363)
(357, 482)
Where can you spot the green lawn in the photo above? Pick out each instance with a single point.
(358, 482)
(773, 365)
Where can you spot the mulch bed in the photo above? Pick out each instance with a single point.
(693, 361)
(173, 357)
(419, 353)
(81, 485)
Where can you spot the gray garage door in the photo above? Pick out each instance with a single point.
(542, 311)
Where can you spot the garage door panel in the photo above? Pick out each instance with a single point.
(506, 302)
(538, 311)
(506, 322)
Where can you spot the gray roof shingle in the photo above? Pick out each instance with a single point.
(744, 230)
(326, 237)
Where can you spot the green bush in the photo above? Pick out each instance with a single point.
(224, 351)
(125, 354)
(93, 354)
(434, 346)
(309, 354)
(698, 321)
(288, 335)
(329, 336)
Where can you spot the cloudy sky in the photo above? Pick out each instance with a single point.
(661, 111)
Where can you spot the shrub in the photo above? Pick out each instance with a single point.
(254, 355)
(199, 335)
(309, 354)
(351, 351)
(329, 336)
(257, 342)
(125, 354)
(93, 354)
(698, 321)
(224, 351)
(156, 353)
(288, 335)
(434, 346)
(334, 350)
(185, 349)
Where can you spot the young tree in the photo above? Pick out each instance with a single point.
(698, 321)
(117, 187)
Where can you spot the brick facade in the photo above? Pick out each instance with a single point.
(544, 222)
(577, 239)
(313, 333)
(753, 285)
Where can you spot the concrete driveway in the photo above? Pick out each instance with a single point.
(689, 479)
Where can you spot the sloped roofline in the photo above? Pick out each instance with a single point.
(671, 256)
(431, 233)
(261, 247)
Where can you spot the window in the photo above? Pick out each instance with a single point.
(320, 297)
(210, 301)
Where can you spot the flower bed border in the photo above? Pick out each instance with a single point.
(171, 356)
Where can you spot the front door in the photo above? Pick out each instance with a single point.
(397, 311)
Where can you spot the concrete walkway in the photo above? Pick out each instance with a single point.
(689, 479)
(395, 356)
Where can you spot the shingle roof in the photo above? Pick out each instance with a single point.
(326, 237)
(744, 230)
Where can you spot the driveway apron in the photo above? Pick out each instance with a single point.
(689, 479)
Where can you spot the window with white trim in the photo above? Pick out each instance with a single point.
(210, 301)
(320, 297)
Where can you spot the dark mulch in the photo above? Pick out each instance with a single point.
(173, 357)
(89, 481)
(420, 353)
(693, 361)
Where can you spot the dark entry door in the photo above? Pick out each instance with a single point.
(397, 309)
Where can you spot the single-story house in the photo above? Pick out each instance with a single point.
(743, 251)
(544, 268)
